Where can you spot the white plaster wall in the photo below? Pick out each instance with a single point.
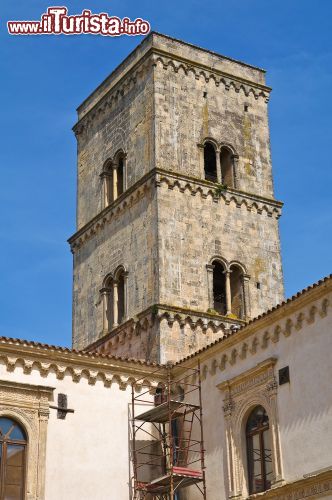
(87, 453)
(304, 405)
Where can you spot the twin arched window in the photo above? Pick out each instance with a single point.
(228, 290)
(114, 178)
(114, 295)
(259, 453)
(219, 164)
(13, 443)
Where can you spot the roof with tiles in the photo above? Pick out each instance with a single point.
(67, 350)
(260, 316)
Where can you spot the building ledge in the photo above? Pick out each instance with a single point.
(196, 186)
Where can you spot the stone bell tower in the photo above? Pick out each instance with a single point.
(177, 236)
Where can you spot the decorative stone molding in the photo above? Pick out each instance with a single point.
(256, 386)
(108, 378)
(220, 78)
(316, 486)
(157, 58)
(108, 370)
(198, 329)
(29, 405)
(126, 201)
(231, 196)
(194, 186)
(113, 98)
(261, 341)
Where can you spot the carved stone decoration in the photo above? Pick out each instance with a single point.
(29, 405)
(257, 386)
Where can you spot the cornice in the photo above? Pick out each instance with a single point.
(219, 77)
(193, 185)
(63, 362)
(236, 383)
(208, 51)
(189, 66)
(129, 198)
(146, 319)
(258, 334)
(116, 93)
(308, 487)
(28, 388)
(229, 349)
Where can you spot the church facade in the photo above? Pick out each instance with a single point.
(177, 288)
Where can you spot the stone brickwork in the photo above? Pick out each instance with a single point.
(159, 106)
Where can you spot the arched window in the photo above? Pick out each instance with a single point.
(259, 452)
(114, 294)
(210, 164)
(226, 167)
(113, 177)
(119, 175)
(107, 178)
(219, 288)
(120, 281)
(13, 442)
(237, 291)
(120, 172)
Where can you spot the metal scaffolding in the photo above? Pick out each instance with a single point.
(167, 446)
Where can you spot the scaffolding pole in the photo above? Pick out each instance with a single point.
(171, 429)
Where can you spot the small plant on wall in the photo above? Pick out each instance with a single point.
(212, 311)
(221, 188)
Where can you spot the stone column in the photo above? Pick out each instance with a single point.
(246, 297)
(105, 293)
(235, 167)
(115, 303)
(115, 182)
(43, 415)
(201, 159)
(125, 286)
(209, 268)
(125, 180)
(106, 177)
(228, 292)
(230, 448)
(218, 165)
(272, 390)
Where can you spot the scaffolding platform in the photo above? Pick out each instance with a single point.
(182, 477)
(167, 449)
(160, 413)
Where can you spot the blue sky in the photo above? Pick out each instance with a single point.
(43, 79)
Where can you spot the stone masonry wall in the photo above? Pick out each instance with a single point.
(184, 118)
(159, 106)
(125, 122)
(129, 239)
(194, 229)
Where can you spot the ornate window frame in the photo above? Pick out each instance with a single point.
(109, 177)
(110, 290)
(256, 386)
(29, 406)
(228, 267)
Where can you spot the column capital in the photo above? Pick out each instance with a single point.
(210, 267)
(105, 174)
(105, 290)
